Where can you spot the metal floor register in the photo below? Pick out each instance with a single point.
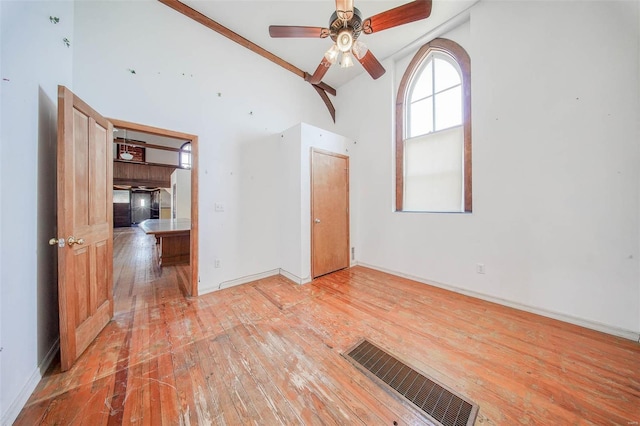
(435, 400)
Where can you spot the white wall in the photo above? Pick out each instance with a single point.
(165, 203)
(555, 178)
(210, 87)
(251, 224)
(295, 193)
(290, 195)
(108, 39)
(34, 62)
(2, 402)
(181, 193)
(162, 157)
(313, 137)
(555, 145)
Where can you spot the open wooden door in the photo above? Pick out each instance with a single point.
(329, 212)
(85, 242)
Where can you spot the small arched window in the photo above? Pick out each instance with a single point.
(433, 131)
(185, 155)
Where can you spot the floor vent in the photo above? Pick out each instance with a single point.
(435, 400)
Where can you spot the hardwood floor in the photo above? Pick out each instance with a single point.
(269, 352)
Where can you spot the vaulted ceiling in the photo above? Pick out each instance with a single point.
(251, 19)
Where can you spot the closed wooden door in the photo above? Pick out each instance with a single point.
(329, 212)
(85, 232)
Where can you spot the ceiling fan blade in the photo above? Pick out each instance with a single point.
(344, 9)
(410, 12)
(372, 65)
(293, 31)
(320, 71)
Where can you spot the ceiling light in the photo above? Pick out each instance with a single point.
(347, 60)
(359, 49)
(126, 155)
(345, 40)
(332, 54)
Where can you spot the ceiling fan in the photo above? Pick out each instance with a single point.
(345, 26)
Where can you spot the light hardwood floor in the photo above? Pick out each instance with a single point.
(269, 352)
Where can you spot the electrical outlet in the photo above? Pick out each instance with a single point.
(216, 263)
(219, 207)
(480, 268)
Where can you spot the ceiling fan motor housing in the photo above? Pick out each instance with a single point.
(338, 28)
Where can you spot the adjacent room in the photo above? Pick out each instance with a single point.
(320, 212)
(152, 194)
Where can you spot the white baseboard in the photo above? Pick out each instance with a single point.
(254, 277)
(593, 325)
(296, 279)
(16, 406)
(238, 281)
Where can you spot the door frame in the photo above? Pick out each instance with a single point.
(193, 261)
(311, 198)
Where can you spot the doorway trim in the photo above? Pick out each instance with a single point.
(121, 124)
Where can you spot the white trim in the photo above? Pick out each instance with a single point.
(254, 277)
(238, 281)
(593, 325)
(296, 279)
(18, 404)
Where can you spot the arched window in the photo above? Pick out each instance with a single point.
(185, 155)
(433, 131)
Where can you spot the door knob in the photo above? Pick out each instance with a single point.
(58, 241)
(72, 240)
(317, 220)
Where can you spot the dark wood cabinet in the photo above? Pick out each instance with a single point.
(121, 215)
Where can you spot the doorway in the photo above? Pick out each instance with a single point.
(191, 288)
(329, 212)
(140, 206)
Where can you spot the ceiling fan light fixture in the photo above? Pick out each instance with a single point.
(345, 40)
(345, 26)
(347, 60)
(332, 54)
(359, 49)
